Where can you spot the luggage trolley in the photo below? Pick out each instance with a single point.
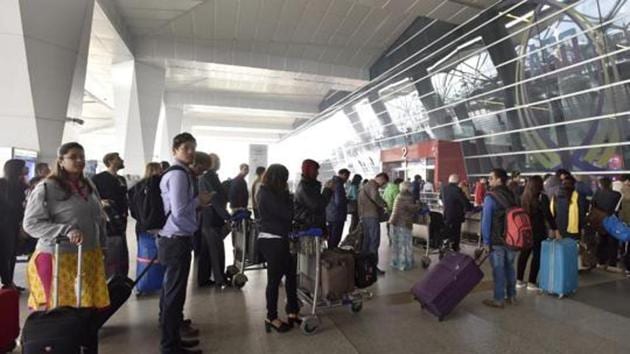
(246, 255)
(436, 242)
(309, 280)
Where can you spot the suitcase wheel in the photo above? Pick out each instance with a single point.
(310, 325)
(440, 319)
(426, 262)
(239, 280)
(356, 306)
(231, 271)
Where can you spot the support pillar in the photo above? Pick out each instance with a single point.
(138, 95)
(44, 58)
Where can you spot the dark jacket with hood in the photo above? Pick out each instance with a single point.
(310, 204)
(337, 208)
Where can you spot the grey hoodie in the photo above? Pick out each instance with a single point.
(48, 216)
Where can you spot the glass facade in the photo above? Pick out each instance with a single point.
(542, 86)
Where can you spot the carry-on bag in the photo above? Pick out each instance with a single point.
(61, 330)
(365, 272)
(337, 275)
(9, 319)
(120, 288)
(559, 267)
(617, 228)
(147, 251)
(445, 285)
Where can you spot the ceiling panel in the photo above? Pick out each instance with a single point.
(225, 24)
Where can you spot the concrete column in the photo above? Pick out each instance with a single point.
(138, 95)
(171, 125)
(44, 58)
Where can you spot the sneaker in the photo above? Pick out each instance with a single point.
(520, 284)
(532, 287)
(511, 301)
(380, 271)
(493, 304)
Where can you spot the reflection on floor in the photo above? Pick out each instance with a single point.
(595, 320)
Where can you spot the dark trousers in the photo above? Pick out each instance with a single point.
(354, 221)
(454, 233)
(174, 254)
(335, 231)
(279, 263)
(117, 256)
(607, 250)
(212, 257)
(8, 247)
(523, 257)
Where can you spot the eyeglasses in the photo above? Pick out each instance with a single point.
(74, 158)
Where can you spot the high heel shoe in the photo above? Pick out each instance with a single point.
(294, 320)
(284, 327)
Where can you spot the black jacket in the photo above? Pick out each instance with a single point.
(455, 204)
(541, 218)
(310, 204)
(215, 214)
(276, 211)
(239, 195)
(606, 200)
(113, 188)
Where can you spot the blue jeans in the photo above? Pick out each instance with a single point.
(371, 235)
(502, 260)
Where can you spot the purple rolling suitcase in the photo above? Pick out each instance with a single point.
(446, 284)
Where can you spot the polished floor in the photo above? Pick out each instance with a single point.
(595, 320)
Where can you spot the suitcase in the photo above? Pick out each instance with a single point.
(120, 288)
(337, 274)
(147, 250)
(61, 330)
(446, 284)
(365, 273)
(559, 267)
(436, 230)
(9, 319)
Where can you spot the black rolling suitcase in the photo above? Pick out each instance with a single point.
(120, 288)
(61, 330)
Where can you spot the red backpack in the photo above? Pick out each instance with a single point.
(518, 227)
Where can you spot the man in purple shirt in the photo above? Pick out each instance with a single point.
(175, 243)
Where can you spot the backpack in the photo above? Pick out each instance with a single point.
(226, 185)
(145, 200)
(518, 227)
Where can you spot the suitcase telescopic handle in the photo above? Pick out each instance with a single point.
(58, 241)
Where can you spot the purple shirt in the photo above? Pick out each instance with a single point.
(180, 203)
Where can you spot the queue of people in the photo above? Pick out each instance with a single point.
(193, 203)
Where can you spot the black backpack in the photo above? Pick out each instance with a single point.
(146, 205)
(226, 185)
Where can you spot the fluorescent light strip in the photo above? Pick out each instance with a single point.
(566, 39)
(598, 88)
(359, 93)
(579, 173)
(566, 148)
(452, 64)
(544, 126)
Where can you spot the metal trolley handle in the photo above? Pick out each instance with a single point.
(317, 234)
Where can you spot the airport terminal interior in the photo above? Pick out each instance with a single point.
(475, 97)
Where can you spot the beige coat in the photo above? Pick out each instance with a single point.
(405, 210)
(370, 200)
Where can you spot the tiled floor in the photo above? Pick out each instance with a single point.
(595, 320)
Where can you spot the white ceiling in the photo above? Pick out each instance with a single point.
(253, 63)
